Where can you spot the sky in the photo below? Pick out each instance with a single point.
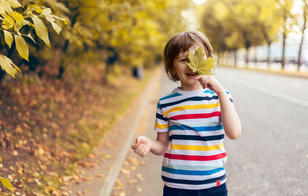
(296, 8)
(199, 1)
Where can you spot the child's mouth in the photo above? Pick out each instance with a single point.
(192, 74)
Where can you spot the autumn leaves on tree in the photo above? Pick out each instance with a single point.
(13, 23)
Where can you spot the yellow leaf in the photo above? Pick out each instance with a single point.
(39, 10)
(51, 18)
(18, 17)
(48, 190)
(22, 47)
(8, 66)
(30, 36)
(107, 156)
(6, 7)
(41, 30)
(8, 22)
(8, 38)
(199, 64)
(14, 3)
(2, 11)
(6, 183)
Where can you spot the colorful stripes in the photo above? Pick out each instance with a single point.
(207, 98)
(194, 182)
(161, 126)
(194, 157)
(195, 116)
(192, 107)
(196, 137)
(189, 172)
(198, 129)
(196, 148)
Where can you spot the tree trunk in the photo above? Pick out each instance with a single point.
(61, 67)
(235, 58)
(283, 61)
(269, 54)
(112, 58)
(299, 63)
(247, 57)
(2, 73)
(255, 60)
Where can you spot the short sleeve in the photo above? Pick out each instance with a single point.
(229, 95)
(161, 123)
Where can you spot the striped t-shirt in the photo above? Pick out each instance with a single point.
(196, 155)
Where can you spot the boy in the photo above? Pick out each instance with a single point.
(192, 120)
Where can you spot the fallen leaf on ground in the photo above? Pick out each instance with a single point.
(125, 171)
(100, 175)
(140, 177)
(132, 182)
(133, 168)
(107, 156)
(89, 178)
(139, 189)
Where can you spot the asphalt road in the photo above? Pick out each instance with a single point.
(270, 157)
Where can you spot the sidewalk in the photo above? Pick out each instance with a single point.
(99, 171)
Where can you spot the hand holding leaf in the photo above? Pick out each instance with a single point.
(198, 63)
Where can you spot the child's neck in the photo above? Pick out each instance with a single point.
(190, 88)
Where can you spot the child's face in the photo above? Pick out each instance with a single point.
(186, 75)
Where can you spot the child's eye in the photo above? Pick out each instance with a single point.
(183, 60)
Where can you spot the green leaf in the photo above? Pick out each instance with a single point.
(199, 64)
(41, 30)
(14, 3)
(8, 66)
(8, 38)
(22, 47)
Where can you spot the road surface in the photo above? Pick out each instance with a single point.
(271, 156)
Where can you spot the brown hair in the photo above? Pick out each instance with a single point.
(181, 42)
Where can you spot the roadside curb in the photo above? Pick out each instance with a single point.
(142, 101)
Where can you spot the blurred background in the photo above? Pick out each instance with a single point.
(85, 61)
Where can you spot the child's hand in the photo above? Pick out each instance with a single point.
(209, 81)
(142, 145)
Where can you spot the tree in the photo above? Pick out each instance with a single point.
(268, 22)
(131, 33)
(215, 24)
(232, 24)
(304, 23)
(285, 7)
(16, 22)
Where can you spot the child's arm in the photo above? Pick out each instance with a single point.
(158, 147)
(229, 116)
